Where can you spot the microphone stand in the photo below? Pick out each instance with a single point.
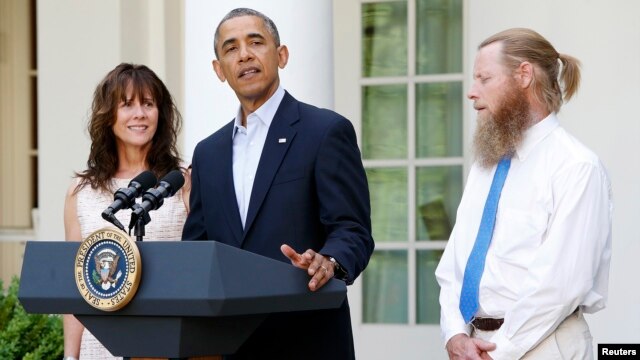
(139, 218)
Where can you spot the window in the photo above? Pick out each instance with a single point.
(411, 134)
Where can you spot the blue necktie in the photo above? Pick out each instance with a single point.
(475, 263)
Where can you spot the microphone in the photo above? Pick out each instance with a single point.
(154, 198)
(125, 197)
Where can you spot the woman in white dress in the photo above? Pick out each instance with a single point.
(133, 127)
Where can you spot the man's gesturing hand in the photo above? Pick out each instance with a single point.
(318, 266)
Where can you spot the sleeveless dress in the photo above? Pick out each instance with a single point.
(166, 224)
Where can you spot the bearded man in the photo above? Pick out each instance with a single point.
(531, 248)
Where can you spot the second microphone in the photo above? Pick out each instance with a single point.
(153, 199)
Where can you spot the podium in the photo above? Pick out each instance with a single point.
(195, 298)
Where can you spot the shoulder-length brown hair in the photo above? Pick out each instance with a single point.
(103, 157)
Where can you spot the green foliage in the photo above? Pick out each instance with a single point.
(27, 336)
(95, 277)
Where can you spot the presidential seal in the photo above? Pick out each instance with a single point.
(107, 269)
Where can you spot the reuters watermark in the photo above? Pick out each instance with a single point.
(618, 351)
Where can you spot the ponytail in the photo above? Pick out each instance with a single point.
(570, 75)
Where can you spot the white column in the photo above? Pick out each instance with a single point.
(304, 26)
(78, 42)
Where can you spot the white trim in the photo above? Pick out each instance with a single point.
(416, 79)
(416, 245)
(413, 162)
(16, 235)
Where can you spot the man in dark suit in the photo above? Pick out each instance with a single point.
(284, 179)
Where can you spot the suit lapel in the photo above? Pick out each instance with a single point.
(273, 153)
(226, 190)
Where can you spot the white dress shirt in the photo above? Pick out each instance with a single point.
(551, 245)
(247, 148)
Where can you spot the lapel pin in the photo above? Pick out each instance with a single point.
(282, 140)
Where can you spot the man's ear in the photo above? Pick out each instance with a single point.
(218, 69)
(525, 74)
(283, 56)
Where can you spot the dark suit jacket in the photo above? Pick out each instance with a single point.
(310, 191)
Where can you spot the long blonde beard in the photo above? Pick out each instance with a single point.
(500, 133)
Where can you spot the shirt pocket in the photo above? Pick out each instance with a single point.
(517, 235)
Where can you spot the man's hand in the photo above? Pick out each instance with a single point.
(462, 347)
(318, 266)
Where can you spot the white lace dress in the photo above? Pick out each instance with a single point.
(166, 224)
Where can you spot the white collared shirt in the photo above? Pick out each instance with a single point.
(247, 147)
(551, 245)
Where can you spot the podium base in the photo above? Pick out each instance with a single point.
(176, 337)
(212, 357)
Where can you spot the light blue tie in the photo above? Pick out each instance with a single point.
(475, 263)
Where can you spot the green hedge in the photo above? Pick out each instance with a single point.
(27, 336)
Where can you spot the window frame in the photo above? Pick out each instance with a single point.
(349, 82)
